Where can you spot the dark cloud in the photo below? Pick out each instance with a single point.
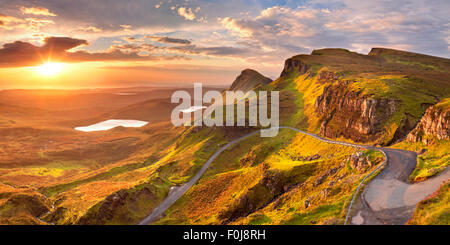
(20, 53)
(61, 44)
(169, 40)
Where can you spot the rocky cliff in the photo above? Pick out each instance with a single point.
(347, 113)
(435, 123)
(291, 65)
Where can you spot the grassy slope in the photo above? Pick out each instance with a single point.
(434, 210)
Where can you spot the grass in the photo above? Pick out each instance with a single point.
(53, 190)
(258, 219)
(315, 215)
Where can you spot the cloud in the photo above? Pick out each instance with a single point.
(35, 24)
(186, 13)
(129, 48)
(131, 39)
(209, 51)
(9, 22)
(275, 21)
(281, 31)
(19, 54)
(29, 24)
(260, 31)
(36, 11)
(90, 29)
(62, 44)
(126, 27)
(276, 32)
(169, 40)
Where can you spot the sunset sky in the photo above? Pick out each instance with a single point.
(117, 43)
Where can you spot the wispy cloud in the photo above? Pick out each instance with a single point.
(36, 11)
(169, 40)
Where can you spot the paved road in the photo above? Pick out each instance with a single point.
(388, 199)
(179, 191)
(382, 194)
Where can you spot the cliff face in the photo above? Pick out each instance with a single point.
(291, 65)
(435, 123)
(346, 113)
(248, 80)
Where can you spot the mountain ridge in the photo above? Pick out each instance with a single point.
(249, 79)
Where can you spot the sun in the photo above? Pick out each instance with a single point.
(50, 68)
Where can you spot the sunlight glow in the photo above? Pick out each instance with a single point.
(50, 68)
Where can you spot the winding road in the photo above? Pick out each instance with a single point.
(387, 199)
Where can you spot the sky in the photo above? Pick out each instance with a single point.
(116, 43)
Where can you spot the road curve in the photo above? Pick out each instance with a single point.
(389, 199)
(375, 196)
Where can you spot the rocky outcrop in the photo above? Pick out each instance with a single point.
(347, 113)
(307, 158)
(291, 65)
(271, 185)
(327, 76)
(35, 205)
(248, 80)
(359, 162)
(435, 123)
(323, 177)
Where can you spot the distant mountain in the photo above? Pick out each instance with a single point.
(248, 80)
(153, 110)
